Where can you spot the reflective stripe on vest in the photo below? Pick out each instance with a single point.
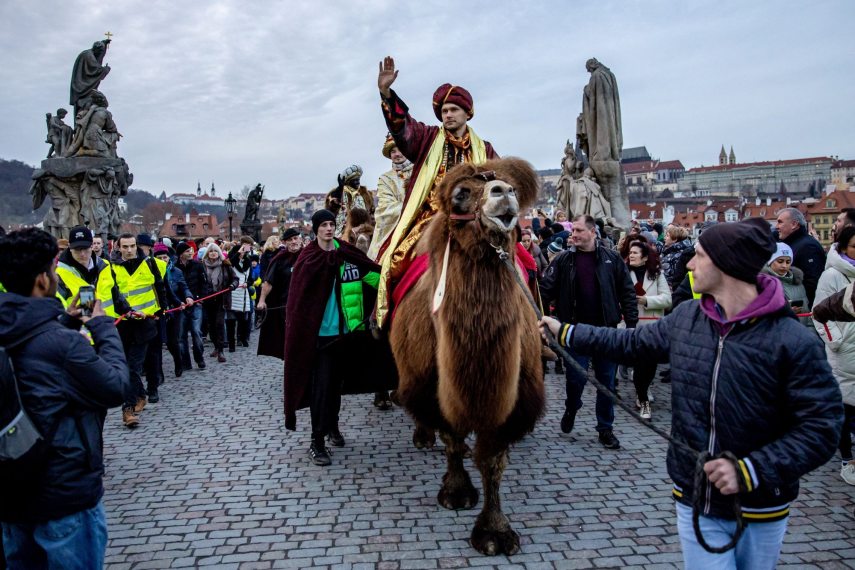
(137, 289)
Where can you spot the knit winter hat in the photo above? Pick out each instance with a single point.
(145, 239)
(739, 249)
(160, 248)
(181, 247)
(448, 93)
(782, 250)
(320, 217)
(556, 246)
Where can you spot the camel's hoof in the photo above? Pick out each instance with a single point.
(463, 495)
(493, 542)
(424, 438)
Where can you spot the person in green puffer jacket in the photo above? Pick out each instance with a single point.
(326, 301)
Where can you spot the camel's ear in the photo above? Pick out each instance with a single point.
(452, 180)
(521, 175)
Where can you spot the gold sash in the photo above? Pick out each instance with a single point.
(421, 191)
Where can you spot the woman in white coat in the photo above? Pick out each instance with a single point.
(654, 298)
(839, 338)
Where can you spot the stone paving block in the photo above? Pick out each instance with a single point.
(240, 492)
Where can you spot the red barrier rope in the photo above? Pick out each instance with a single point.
(137, 315)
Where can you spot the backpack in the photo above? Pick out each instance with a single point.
(22, 447)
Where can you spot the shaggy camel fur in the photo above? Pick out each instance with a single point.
(473, 365)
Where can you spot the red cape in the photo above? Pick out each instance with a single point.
(312, 283)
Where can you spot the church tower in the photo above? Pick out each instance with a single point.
(732, 157)
(199, 185)
(214, 190)
(722, 157)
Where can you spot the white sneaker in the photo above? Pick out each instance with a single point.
(645, 414)
(847, 472)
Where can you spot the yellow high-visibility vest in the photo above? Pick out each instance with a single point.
(136, 288)
(692, 285)
(71, 281)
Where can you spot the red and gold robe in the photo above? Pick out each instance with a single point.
(433, 152)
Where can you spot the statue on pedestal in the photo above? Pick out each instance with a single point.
(59, 134)
(599, 135)
(96, 133)
(253, 202)
(83, 175)
(89, 70)
(577, 192)
(251, 226)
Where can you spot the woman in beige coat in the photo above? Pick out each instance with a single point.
(654, 298)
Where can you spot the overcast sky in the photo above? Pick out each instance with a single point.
(285, 93)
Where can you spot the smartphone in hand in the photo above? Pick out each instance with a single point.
(86, 300)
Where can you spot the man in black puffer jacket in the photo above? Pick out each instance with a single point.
(52, 515)
(747, 378)
(590, 284)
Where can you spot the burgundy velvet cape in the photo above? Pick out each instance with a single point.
(312, 281)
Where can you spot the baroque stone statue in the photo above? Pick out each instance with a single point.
(96, 133)
(577, 193)
(600, 136)
(59, 134)
(83, 175)
(253, 202)
(89, 70)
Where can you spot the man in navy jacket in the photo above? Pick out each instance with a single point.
(54, 514)
(747, 378)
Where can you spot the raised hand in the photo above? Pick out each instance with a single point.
(386, 76)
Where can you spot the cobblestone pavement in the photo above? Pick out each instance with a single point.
(212, 478)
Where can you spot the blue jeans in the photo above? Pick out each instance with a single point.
(758, 549)
(604, 372)
(77, 541)
(192, 325)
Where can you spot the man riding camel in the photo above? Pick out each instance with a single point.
(433, 151)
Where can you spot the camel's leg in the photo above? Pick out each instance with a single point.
(423, 437)
(457, 491)
(492, 533)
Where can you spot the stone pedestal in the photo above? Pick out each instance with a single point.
(252, 229)
(610, 178)
(83, 190)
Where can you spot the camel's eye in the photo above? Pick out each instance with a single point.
(460, 193)
(496, 191)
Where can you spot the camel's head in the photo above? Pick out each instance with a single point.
(492, 193)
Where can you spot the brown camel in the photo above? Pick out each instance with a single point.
(472, 361)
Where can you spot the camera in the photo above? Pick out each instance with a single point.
(86, 300)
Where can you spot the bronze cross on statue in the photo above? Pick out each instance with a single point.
(109, 35)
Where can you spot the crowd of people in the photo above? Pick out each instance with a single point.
(727, 318)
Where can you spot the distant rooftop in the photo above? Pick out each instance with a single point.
(634, 154)
(790, 162)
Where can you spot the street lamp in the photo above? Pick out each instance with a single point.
(231, 204)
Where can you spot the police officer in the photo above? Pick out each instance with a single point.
(77, 266)
(129, 288)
